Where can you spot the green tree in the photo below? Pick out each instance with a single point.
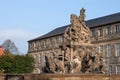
(10, 63)
(23, 64)
(6, 63)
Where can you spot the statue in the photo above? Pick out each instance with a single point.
(78, 32)
(50, 66)
(78, 54)
(82, 15)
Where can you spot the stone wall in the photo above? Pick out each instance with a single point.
(60, 77)
(75, 77)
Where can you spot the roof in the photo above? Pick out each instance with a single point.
(109, 19)
(1, 51)
(54, 32)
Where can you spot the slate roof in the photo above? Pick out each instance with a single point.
(57, 31)
(109, 19)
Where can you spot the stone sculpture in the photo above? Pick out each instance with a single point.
(78, 54)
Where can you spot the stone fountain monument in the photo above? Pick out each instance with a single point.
(79, 56)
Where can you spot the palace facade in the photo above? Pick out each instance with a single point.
(105, 32)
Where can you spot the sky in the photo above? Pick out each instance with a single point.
(23, 20)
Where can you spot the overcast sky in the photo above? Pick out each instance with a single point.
(22, 20)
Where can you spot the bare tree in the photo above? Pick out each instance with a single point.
(9, 46)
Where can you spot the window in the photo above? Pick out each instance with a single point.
(117, 49)
(45, 42)
(57, 40)
(100, 32)
(117, 28)
(39, 45)
(50, 41)
(35, 57)
(101, 49)
(30, 46)
(63, 39)
(34, 45)
(93, 32)
(108, 30)
(39, 57)
(109, 50)
(42, 43)
(118, 69)
(110, 69)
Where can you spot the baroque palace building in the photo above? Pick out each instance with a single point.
(105, 32)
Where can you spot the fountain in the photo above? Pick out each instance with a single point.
(79, 55)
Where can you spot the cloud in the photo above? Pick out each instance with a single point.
(15, 34)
